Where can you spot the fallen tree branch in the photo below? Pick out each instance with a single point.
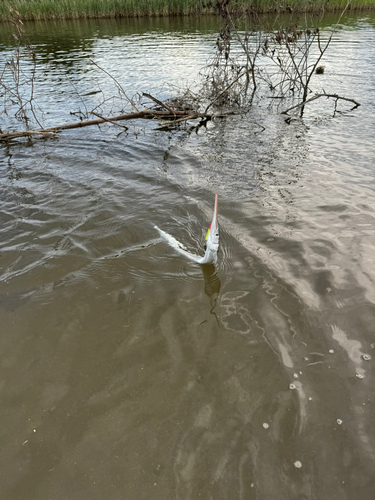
(148, 114)
(317, 96)
(27, 133)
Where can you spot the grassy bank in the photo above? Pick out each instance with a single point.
(74, 9)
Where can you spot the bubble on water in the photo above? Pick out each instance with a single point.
(359, 375)
(252, 485)
(306, 358)
(366, 357)
(292, 386)
(339, 421)
(331, 351)
(310, 398)
(300, 373)
(295, 375)
(265, 425)
(297, 464)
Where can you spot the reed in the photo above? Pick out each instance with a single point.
(74, 9)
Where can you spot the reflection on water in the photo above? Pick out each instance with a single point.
(212, 284)
(128, 371)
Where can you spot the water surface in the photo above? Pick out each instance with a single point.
(128, 372)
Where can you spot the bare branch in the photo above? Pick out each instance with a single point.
(109, 120)
(160, 103)
(167, 125)
(317, 96)
(224, 91)
(119, 87)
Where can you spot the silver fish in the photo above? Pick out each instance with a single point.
(212, 242)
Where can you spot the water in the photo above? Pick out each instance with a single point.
(129, 372)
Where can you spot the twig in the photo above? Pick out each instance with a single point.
(79, 95)
(108, 120)
(167, 125)
(261, 126)
(225, 90)
(116, 82)
(162, 104)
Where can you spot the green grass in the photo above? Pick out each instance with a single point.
(73, 9)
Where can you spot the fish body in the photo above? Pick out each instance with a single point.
(212, 242)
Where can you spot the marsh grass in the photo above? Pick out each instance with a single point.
(74, 9)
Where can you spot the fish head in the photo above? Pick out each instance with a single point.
(212, 236)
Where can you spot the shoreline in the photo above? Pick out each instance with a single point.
(33, 10)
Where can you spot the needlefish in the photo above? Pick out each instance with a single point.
(212, 242)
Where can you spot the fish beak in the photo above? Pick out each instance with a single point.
(214, 224)
(215, 210)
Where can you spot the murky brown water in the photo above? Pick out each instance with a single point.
(128, 372)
